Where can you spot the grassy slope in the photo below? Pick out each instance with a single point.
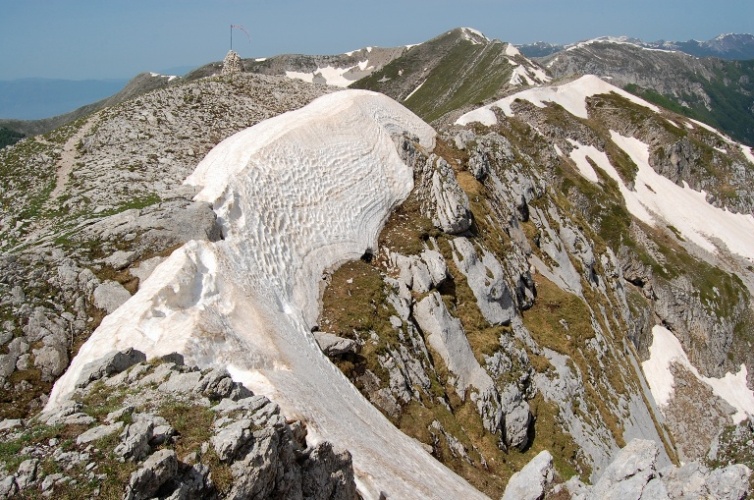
(458, 73)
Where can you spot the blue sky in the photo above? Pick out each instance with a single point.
(79, 39)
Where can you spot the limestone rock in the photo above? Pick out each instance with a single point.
(446, 336)
(99, 432)
(51, 359)
(629, 473)
(485, 277)
(8, 487)
(327, 474)
(110, 295)
(518, 418)
(332, 345)
(135, 439)
(531, 482)
(27, 473)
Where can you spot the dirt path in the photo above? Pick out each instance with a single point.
(68, 158)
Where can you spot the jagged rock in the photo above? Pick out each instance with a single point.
(633, 474)
(729, 483)
(443, 200)
(327, 474)
(531, 482)
(231, 438)
(332, 345)
(446, 336)
(10, 424)
(181, 382)
(52, 358)
(110, 295)
(158, 469)
(119, 259)
(115, 362)
(135, 439)
(421, 273)
(479, 163)
(218, 384)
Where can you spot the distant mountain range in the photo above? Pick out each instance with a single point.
(732, 46)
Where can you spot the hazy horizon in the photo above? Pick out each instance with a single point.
(80, 39)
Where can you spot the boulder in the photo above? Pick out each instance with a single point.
(332, 345)
(531, 482)
(110, 295)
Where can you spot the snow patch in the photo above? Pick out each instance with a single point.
(579, 155)
(747, 151)
(296, 75)
(474, 36)
(338, 77)
(511, 51)
(621, 40)
(572, 96)
(666, 349)
(520, 76)
(713, 130)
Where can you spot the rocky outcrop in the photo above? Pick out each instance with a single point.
(442, 199)
(176, 432)
(634, 475)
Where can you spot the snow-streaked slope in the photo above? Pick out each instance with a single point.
(655, 199)
(333, 75)
(296, 195)
(682, 207)
(339, 75)
(666, 349)
(572, 96)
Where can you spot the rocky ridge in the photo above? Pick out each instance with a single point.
(162, 429)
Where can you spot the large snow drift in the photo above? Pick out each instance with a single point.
(296, 195)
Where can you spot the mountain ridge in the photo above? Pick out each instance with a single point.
(731, 46)
(509, 281)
